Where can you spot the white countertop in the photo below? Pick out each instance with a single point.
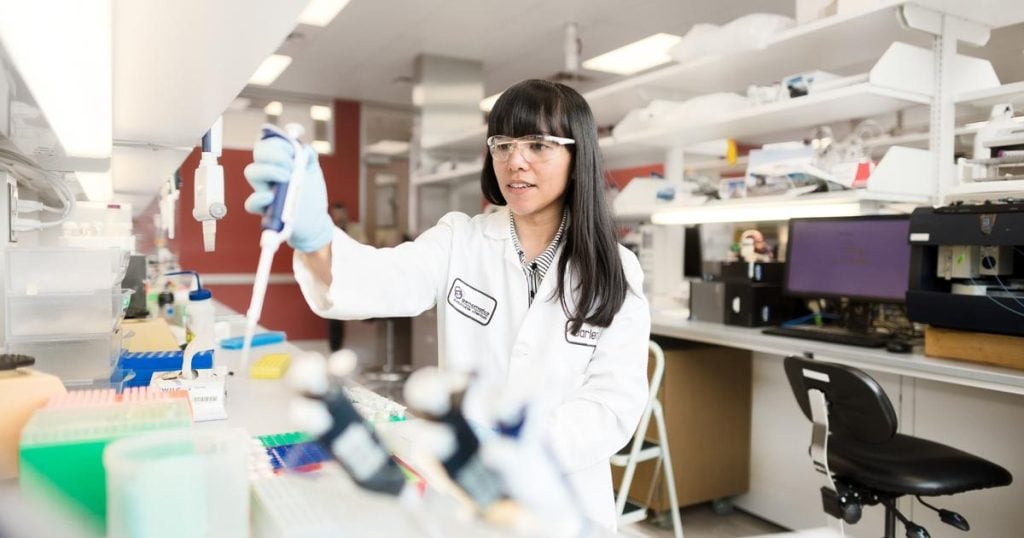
(674, 323)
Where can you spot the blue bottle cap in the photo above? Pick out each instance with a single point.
(198, 294)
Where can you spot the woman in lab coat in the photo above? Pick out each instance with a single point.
(537, 294)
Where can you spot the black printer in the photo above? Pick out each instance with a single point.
(967, 267)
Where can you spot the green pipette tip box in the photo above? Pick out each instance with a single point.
(61, 448)
(281, 439)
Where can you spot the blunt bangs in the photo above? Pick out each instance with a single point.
(526, 109)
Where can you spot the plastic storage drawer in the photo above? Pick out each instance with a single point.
(64, 270)
(67, 315)
(76, 362)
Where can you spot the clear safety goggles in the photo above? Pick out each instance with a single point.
(533, 148)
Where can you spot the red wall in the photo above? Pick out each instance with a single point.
(238, 233)
(622, 176)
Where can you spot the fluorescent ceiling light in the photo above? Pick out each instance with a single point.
(70, 77)
(320, 113)
(635, 57)
(321, 12)
(322, 147)
(270, 69)
(388, 147)
(273, 108)
(488, 102)
(755, 212)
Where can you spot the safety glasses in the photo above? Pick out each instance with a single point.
(533, 148)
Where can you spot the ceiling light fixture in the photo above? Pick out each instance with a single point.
(321, 12)
(270, 69)
(320, 113)
(70, 78)
(388, 147)
(635, 57)
(273, 108)
(322, 147)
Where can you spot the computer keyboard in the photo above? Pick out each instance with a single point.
(834, 335)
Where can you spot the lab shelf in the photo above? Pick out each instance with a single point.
(60, 316)
(625, 155)
(870, 202)
(915, 365)
(459, 172)
(755, 124)
(470, 141)
(842, 44)
(1012, 93)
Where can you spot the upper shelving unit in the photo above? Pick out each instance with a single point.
(459, 172)
(768, 208)
(466, 142)
(750, 126)
(987, 98)
(843, 44)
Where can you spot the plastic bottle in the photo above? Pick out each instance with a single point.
(199, 320)
(165, 304)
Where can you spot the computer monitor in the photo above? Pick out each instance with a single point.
(860, 258)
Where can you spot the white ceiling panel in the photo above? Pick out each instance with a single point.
(373, 42)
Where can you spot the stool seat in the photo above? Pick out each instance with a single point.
(907, 465)
(864, 461)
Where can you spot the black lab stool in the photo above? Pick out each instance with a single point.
(864, 461)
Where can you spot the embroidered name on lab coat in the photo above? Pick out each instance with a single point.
(471, 302)
(587, 336)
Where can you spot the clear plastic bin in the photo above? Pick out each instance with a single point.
(37, 270)
(178, 483)
(65, 315)
(83, 362)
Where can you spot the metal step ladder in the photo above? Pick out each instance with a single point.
(640, 450)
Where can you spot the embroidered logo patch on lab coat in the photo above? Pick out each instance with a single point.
(587, 336)
(471, 302)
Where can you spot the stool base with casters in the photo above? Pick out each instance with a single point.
(389, 372)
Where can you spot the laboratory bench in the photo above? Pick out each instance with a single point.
(673, 323)
(974, 407)
(261, 407)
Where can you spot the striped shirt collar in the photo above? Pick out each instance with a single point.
(538, 267)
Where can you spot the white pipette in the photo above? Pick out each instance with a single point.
(277, 227)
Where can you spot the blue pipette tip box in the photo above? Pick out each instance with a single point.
(261, 339)
(145, 363)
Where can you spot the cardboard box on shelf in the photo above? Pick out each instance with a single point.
(986, 348)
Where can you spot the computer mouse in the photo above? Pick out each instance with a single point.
(899, 346)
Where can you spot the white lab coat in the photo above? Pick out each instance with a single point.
(470, 268)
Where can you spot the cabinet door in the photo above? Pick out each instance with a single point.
(706, 396)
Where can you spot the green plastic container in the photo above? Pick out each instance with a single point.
(61, 449)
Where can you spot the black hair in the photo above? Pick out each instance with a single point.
(590, 249)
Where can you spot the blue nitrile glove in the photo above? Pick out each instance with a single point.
(312, 227)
